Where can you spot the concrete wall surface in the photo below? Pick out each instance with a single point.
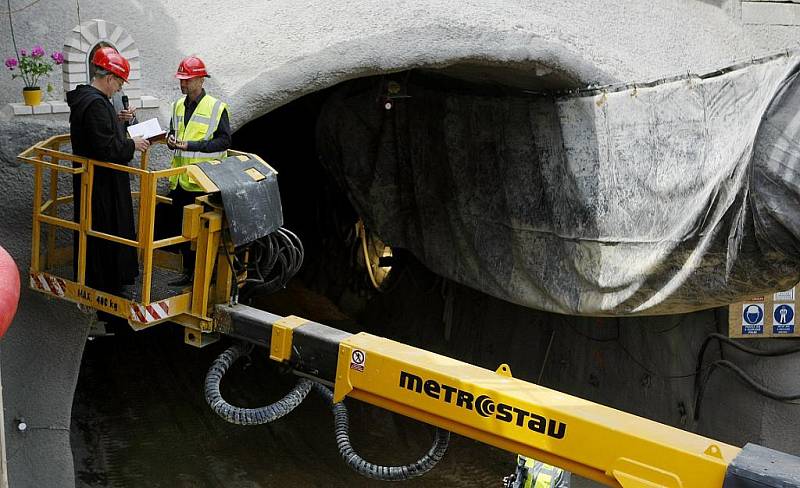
(265, 54)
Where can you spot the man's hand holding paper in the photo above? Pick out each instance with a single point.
(149, 129)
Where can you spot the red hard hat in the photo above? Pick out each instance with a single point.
(110, 60)
(191, 67)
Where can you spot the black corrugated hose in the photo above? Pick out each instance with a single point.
(268, 413)
(248, 416)
(374, 471)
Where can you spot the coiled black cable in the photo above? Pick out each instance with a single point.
(247, 416)
(274, 260)
(375, 471)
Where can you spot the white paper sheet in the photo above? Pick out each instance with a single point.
(148, 129)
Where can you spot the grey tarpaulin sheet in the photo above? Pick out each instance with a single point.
(252, 208)
(661, 198)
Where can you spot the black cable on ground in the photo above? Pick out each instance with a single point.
(248, 416)
(374, 471)
(748, 380)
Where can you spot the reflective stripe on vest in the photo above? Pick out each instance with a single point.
(545, 476)
(543, 480)
(536, 474)
(201, 127)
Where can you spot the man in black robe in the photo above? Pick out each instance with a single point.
(97, 134)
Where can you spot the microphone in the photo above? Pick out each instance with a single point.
(125, 102)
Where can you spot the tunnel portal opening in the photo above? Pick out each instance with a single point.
(307, 141)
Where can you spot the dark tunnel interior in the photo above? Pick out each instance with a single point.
(316, 204)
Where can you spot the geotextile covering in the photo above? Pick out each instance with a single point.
(664, 197)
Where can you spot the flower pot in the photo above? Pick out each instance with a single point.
(32, 95)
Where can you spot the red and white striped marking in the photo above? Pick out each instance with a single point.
(48, 283)
(145, 314)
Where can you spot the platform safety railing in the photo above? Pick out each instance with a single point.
(202, 225)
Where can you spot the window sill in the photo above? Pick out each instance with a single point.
(59, 107)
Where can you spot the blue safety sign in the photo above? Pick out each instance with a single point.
(752, 318)
(783, 319)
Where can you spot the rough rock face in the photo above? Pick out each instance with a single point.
(263, 55)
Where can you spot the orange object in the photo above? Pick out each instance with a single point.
(9, 290)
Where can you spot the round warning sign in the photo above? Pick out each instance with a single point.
(784, 314)
(357, 360)
(753, 314)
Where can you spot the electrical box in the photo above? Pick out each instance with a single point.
(772, 315)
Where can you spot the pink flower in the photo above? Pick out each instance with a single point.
(32, 66)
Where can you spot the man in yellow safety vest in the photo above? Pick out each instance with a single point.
(531, 473)
(199, 131)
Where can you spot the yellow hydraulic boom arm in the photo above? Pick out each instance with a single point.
(593, 441)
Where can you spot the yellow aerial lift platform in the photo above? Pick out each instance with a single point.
(590, 440)
(202, 226)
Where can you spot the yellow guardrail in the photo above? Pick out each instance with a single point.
(203, 229)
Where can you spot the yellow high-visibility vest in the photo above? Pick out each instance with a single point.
(201, 127)
(539, 475)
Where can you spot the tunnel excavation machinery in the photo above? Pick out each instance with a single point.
(593, 441)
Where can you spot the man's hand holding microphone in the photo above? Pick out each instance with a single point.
(127, 115)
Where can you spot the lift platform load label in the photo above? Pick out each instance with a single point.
(62, 288)
(770, 315)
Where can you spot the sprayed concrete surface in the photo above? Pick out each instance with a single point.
(264, 55)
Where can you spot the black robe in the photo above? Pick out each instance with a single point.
(97, 134)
